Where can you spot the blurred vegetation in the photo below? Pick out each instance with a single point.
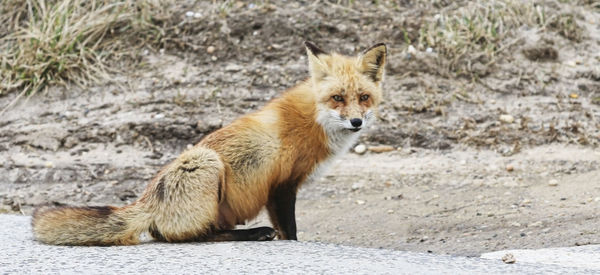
(47, 42)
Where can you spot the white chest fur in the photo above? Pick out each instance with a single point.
(339, 141)
(339, 145)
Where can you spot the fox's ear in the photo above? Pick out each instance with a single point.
(372, 62)
(317, 68)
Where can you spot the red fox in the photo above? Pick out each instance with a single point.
(261, 159)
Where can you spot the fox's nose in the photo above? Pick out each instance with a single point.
(356, 122)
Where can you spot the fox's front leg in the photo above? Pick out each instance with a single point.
(282, 207)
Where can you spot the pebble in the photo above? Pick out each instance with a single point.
(49, 164)
(360, 149)
(573, 96)
(509, 258)
(210, 49)
(159, 116)
(390, 211)
(360, 202)
(197, 15)
(189, 14)
(398, 197)
(510, 168)
(381, 148)
(507, 119)
(233, 68)
(570, 63)
(213, 58)
(412, 50)
(553, 182)
(356, 186)
(429, 50)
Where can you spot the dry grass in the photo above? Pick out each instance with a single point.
(55, 42)
(478, 31)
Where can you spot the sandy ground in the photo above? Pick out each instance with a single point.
(448, 189)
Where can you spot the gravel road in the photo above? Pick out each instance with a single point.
(23, 255)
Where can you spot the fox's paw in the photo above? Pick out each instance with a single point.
(263, 233)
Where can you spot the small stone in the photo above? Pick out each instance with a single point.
(197, 15)
(190, 146)
(398, 197)
(210, 49)
(553, 182)
(213, 58)
(360, 149)
(509, 258)
(70, 142)
(429, 50)
(507, 119)
(360, 202)
(356, 186)
(159, 116)
(411, 49)
(535, 224)
(510, 168)
(233, 68)
(573, 95)
(515, 224)
(390, 211)
(49, 164)
(381, 148)
(209, 123)
(189, 14)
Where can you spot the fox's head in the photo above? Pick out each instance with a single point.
(348, 88)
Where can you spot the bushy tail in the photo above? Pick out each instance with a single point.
(104, 225)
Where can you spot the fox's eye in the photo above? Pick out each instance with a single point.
(338, 98)
(364, 97)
